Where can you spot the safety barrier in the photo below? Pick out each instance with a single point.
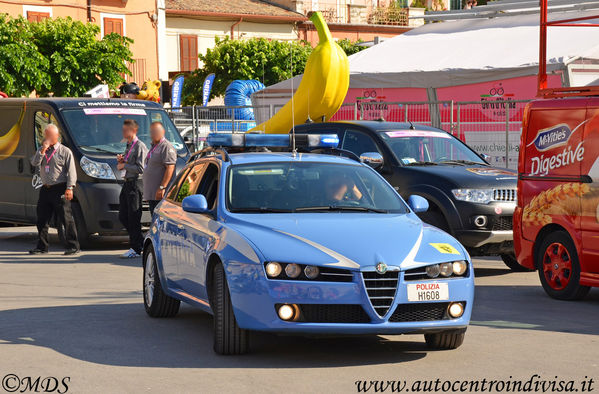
(491, 126)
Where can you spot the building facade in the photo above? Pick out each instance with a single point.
(136, 19)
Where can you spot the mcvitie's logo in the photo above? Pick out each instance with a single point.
(552, 137)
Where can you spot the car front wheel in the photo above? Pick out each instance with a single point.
(445, 340)
(156, 302)
(559, 268)
(229, 338)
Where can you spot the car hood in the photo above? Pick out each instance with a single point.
(347, 240)
(468, 176)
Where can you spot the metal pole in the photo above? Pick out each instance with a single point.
(194, 131)
(451, 117)
(356, 110)
(458, 121)
(405, 113)
(507, 133)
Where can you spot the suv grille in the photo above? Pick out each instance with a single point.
(333, 313)
(502, 223)
(504, 195)
(420, 312)
(381, 289)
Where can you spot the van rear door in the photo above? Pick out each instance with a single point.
(14, 161)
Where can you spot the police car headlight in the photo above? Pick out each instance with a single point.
(273, 269)
(433, 270)
(446, 269)
(480, 196)
(293, 270)
(96, 169)
(459, 267)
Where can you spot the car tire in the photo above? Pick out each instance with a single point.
(445, 340)
(83, 236)
(559, 267)
(435, 218)
(156, 302)
(229, 338)
(510, 261)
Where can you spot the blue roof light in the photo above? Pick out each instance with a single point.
(241, 140)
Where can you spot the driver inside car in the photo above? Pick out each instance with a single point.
(338, 187)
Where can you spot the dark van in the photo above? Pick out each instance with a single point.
(92, 129)
(468, 198)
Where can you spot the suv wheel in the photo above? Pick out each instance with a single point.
(444, 340)
(512, 263)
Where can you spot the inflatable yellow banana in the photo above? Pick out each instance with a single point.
(322, 89)
(10, 140)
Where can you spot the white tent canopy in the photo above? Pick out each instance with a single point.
(465, 52)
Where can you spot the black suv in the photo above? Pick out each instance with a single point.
(468, 198)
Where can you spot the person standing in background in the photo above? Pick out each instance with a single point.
(130, 199)
(159, 166)
(59, 176)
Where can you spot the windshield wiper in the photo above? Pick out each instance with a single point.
(98, 149)
(463, 162)
(422, 163)
(260, 210)
(340, 208)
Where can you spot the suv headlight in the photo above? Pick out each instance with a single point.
(480, 196)
(96, 169)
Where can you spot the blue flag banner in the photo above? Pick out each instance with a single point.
(207, 88)
(177, 92)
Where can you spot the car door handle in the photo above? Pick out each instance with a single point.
(20, 165)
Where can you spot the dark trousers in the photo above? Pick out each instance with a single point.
(152, 204)
(130, 213)
(50, 202)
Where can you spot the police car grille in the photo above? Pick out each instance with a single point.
(502, 223)
(504, 195)
(420, 312)
(381, 289)
(333, 313)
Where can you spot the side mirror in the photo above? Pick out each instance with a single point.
(416, 203)
(195, 204)
(373, 159)
(485, 157)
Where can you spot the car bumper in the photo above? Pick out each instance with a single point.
(255, 307)
(479, 238)
(100, 207)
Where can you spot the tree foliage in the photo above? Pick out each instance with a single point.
(59, 56)
(350, 47)
(267, 61)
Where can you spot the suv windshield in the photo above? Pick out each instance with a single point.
(309, 187)
(428, 147)
(100, 129)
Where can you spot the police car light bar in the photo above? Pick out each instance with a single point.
(243, 140)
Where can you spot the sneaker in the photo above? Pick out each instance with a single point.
(71, 251)
(130, 254)
(37, 251)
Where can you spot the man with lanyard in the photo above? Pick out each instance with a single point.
(59, 176)
(159, 166)
(130, 199)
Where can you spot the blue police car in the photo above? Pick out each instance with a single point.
(301, 242)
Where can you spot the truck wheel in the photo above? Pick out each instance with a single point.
(559, 269)
(228, 337)
(83, 236)
(512, 263)
(435, 218)
(450, 339)
(156, 302)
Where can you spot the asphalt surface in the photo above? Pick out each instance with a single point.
(82, 318)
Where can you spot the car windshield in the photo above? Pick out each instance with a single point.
(100, 129)
(428, 147)
(309, 187)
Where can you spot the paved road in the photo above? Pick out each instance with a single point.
(82, 317)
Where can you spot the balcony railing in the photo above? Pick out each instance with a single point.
(359, 12)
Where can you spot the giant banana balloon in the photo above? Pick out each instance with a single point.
(322, 89)
(10, 140)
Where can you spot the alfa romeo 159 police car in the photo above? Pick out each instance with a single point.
(300, 242)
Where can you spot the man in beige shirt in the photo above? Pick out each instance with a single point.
(59, 177)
